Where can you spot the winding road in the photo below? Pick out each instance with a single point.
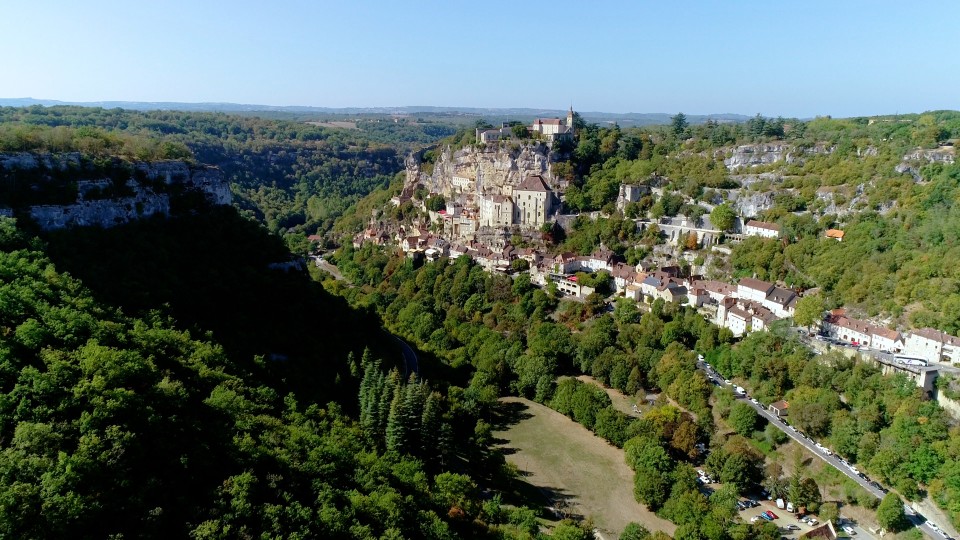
(410, 363)
(832, 459)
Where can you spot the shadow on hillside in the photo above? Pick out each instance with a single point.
(211, 272)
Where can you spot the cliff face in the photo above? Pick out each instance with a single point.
(752, 155)
(494, 168)
(130, 191)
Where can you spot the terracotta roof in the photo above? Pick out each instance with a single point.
(532, 183)
(548, 121)
(763, 225)
(851, 324)
(764, 315)
(716, 286)
(780, 405)
(936, 335)
(892, 335)
(834, 233)
(739, 313)
(756, 284)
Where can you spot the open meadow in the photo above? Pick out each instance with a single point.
(574, 469)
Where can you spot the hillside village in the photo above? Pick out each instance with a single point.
(501, 198)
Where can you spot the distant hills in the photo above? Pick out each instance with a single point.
(624, 119)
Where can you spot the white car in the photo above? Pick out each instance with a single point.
(849, 530)
(754, 401)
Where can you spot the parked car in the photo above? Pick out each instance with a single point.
(793, 527)
(774, 516)
(766, 516)
(849, 530)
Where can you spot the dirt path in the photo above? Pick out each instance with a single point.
(570, 464)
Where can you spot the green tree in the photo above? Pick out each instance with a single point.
(722, 217)
(743, 418)
(829, 512)
(634, 531)
(890, 513)
(809, 310)
(678, 124)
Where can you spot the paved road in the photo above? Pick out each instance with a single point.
(831, 459)
(410, 362)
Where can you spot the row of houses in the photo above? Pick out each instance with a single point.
(926, 343)
(748, 306)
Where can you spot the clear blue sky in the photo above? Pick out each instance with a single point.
(807, 58)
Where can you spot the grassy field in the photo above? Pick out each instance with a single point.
(572, 467)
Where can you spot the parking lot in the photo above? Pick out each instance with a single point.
(784, 519)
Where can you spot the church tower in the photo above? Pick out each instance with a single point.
(570, 117)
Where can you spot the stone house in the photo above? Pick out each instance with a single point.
(764, 229)
(533, 202)
(496, 211)
(933, 345)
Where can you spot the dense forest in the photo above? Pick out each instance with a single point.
(224, 400)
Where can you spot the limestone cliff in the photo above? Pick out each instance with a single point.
(913, 161)
(752, 155)
(105, 193)
(486, 169)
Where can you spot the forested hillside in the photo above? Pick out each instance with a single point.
(222, 399)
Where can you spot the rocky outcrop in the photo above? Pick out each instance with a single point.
(753, 155)
(145, 188)
(913, 161)
(751, 204)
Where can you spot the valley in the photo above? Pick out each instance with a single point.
(493, 270)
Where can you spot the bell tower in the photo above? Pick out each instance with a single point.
(570, 117)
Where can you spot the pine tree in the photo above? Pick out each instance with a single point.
(396, 433)
(430, 427)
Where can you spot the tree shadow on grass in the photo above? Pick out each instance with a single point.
(509, 413)
(505, 415)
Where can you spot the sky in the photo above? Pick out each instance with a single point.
(795, 59)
